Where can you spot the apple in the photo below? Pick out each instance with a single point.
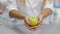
(33, 21)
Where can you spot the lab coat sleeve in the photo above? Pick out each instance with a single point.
(50, 18)
(11, 4)
(48, 5)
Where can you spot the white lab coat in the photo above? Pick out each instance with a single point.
(33, 8)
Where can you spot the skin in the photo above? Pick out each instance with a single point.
(17, 14)
(46, 12)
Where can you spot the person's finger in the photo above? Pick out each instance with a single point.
(40, 19)
(30, 27)
(27, 21)
(39, 22)
(34, 27)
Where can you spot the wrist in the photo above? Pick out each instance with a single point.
(24, 16)
(41, 17)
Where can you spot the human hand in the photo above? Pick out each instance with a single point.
(33, 28)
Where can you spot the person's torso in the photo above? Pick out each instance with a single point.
(33, 8)
(30, 7)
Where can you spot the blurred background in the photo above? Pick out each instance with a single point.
(7, 25)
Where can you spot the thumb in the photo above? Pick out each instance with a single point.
(27, 21)
(40, 20)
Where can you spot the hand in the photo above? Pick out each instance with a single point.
(29, 26)
(40, 20)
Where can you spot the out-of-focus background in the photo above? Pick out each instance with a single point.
(8, 27)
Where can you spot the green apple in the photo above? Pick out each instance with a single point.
(33, 21)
